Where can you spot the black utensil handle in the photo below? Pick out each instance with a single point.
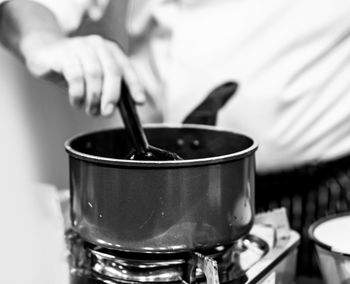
(131, 120)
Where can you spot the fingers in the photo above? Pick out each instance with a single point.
(111, 78)
(93, 75)
(109, 64)
(136, 89)
(92, 67)
(74, 75)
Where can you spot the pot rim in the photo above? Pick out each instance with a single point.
(176, 163)
(321, 244)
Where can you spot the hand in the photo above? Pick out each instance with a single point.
(91, 66)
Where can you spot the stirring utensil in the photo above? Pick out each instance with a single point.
(142, 149)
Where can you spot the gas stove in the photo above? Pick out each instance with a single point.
(266, 255)
(249, 260)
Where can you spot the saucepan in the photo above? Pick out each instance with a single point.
(198, 203)
(331, 236)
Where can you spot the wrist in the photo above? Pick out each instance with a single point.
(37, 40)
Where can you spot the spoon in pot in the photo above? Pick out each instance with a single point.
(142, 149)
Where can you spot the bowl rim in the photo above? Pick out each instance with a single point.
(323, 245)
(178, 163)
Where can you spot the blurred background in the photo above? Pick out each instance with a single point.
(36, 116)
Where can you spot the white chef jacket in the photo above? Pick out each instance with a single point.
(289, 57)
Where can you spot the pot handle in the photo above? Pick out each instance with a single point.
(208, 266)
(206, 112)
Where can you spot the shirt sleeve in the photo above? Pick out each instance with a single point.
(69, 13)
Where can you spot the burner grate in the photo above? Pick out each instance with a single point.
(223, 263)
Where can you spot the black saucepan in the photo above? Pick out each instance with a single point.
(197, 203)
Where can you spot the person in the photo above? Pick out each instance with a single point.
(289, 58)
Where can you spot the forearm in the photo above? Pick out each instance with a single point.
(23, 23)
(90, 66)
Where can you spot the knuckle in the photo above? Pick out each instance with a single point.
(76, 43)
(94, 74)
(95, 39)
(70, 65)
(74, 78)
(113, 70)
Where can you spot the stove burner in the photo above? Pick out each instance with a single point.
(223, 263)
